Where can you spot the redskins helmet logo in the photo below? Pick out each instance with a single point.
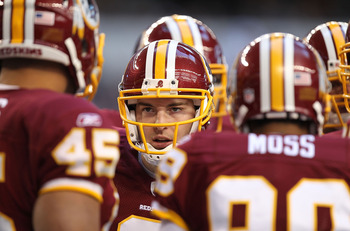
(160, 83)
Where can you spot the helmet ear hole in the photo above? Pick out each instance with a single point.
(84, 48)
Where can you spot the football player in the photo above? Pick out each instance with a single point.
(278, 174)
(328, 39)
(58, 153)
(165, 94)
(191, 31)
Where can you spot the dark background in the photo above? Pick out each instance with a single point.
(235, 24)
(302, 8)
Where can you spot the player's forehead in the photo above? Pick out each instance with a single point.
(165, 102)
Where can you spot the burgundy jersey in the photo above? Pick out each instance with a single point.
(337, 133)
(49, 142)
(113, 115)
(135, 188)
(220, 124)
(256, 182)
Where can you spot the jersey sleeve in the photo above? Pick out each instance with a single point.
(169, 170)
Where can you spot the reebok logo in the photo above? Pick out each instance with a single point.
(145, 207)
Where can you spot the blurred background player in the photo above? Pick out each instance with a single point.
(165, 94)
(278, 174)
(328, 39)
(195, 33)
(57, 152)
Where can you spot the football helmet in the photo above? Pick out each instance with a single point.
(195, 33)
(344, 69)
(164, 69)
(327, 39)
(278, 76)
(65, 32)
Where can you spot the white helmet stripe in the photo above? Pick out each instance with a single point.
(328, 40)
(76, 62)
(264, 62)
(173, 28)
(170, 69)
(289, 73)
(29, 21)
(6, 18)
(197, 39)
(149, 61)
(344, 27)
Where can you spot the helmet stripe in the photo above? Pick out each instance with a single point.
(173, 28)
(344, 27)
(171, 59)
(185, 31)
(264, 63)
(277, 73)
(338, 36)
(289, 73)
(76, 62)
(17, 32)
(160, 60)
(149, 61)
(197, 38)
(6, 18)
(29, 21)
(327, 36)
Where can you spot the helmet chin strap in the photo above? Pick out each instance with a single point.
(151, 159)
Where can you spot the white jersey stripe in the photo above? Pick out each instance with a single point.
(289, 73)
(196, 35)
(149, 61)
(265, 81)
(328, 39)
(170, 69)
(173, 28)
(6, 22)
(29, 22)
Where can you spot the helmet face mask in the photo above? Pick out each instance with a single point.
(40, 32)
(329, 39)
(278, 76)
(193, 32)
(164, 69)
(344, 71)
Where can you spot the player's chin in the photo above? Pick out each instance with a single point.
(161, 144)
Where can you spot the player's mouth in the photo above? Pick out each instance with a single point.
(160, 142)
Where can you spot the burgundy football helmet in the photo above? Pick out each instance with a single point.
(164, 69)
(327, 39)
(62, 31)
(344, 72)
(195, 33)
(278, 76)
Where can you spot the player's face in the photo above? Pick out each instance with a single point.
(164, 111)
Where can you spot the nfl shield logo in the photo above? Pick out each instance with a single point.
(248, 95)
